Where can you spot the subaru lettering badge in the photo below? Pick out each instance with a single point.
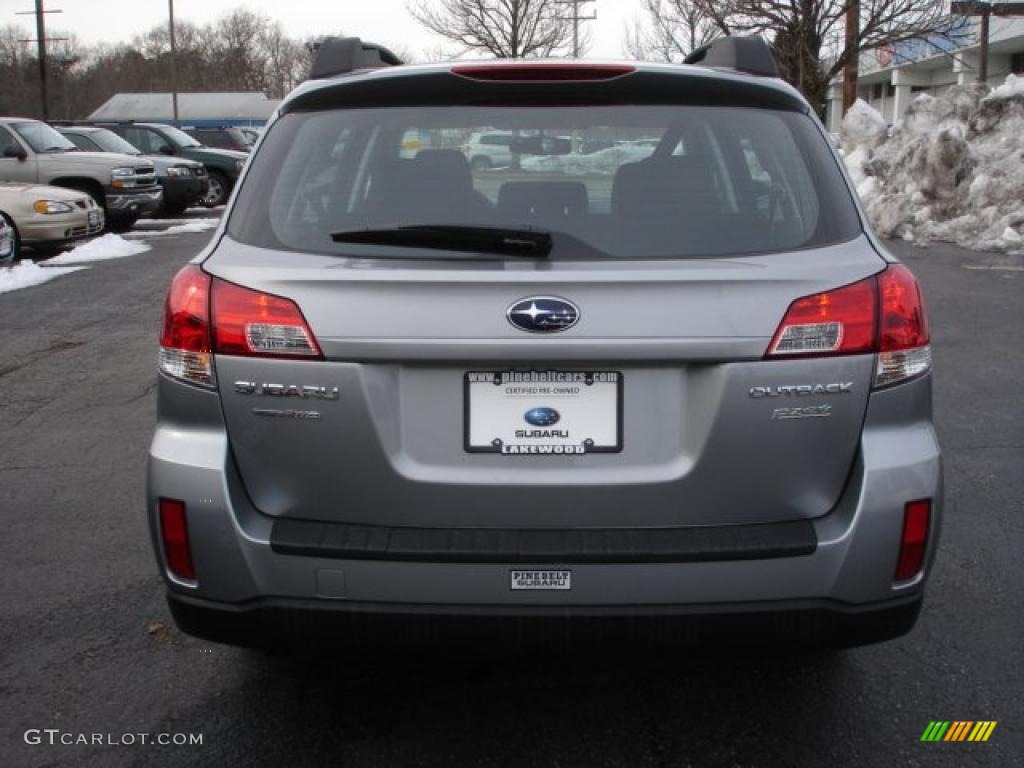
(543, 314)
(542, 417)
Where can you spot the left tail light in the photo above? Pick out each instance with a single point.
(186, 351)
(255, 324)
(204, 315)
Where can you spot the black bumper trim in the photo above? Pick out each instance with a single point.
(331, 624)
(588, 545)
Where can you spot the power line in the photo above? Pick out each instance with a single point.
(576, 18)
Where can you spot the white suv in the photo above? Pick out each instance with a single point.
(489, 150)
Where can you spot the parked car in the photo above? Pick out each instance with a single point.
(123, 185)
(392, 396)
(489, 150)
(8, 246)
(220, 137)
(222, 166)
(44, 216)
(184, 181)
(252, 135)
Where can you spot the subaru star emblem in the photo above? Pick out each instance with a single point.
(542, 417)
(543, 314)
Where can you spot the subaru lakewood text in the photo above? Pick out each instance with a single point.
(650, 371)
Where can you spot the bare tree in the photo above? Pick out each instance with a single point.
(505, 29)
(807, 35)
(671, 29)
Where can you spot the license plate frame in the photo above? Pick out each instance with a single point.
(548, 377)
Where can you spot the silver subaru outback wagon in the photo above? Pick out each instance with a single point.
(654, 371)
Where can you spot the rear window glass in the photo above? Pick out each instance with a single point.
(615, 182)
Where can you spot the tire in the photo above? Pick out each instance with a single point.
(16, 253)
(121, 223)
(480, 163)
(219, 190)
(173, 210)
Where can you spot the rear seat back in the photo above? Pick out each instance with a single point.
(547, 203)
(424, 190)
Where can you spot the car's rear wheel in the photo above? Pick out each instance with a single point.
(217, 194)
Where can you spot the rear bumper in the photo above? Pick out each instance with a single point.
(183, 191)
(270, 623)
(135, 203)
(848, 572)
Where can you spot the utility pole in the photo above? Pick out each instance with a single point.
(174, 63)
(41, 40)
(851, 70)
(576, 18)
(985, 11)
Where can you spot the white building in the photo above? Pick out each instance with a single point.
(890, 77)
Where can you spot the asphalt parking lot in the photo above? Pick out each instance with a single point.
(86, 644)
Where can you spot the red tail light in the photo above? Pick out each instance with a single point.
(185, 348)
(839, 322)
(174, 532)
(916, 520)
(903, 340)
(882, 314)
(543, 71)
(203, 315)
(255, 324)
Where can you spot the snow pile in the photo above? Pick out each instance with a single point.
(602, 162)
(25, 274)
(952, 169)
(863, 126)
(100, 249)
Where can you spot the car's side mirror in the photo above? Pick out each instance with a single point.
(166, 149)
(14, 151)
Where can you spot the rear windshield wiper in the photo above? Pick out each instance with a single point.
(523, 243)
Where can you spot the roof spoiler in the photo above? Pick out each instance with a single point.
(744, 54)
(341, 55)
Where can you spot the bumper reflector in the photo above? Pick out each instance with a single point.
(916, 521)
(174, 532)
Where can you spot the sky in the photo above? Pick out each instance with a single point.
(382, 21)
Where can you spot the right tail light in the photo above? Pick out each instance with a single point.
(883, 314)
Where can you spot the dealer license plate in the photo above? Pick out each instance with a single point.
(543, 413)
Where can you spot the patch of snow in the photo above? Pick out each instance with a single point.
(187, 226)
(161, 223)
(25, 274)
(1014, 86)
(603, 162)
(102, 248)
(952, 169)
(862, 126)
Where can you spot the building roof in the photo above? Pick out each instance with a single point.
(225, 107)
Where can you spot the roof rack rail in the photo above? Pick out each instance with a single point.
(744, 54)
(341, 55)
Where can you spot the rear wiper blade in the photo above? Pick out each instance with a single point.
(524, 243)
